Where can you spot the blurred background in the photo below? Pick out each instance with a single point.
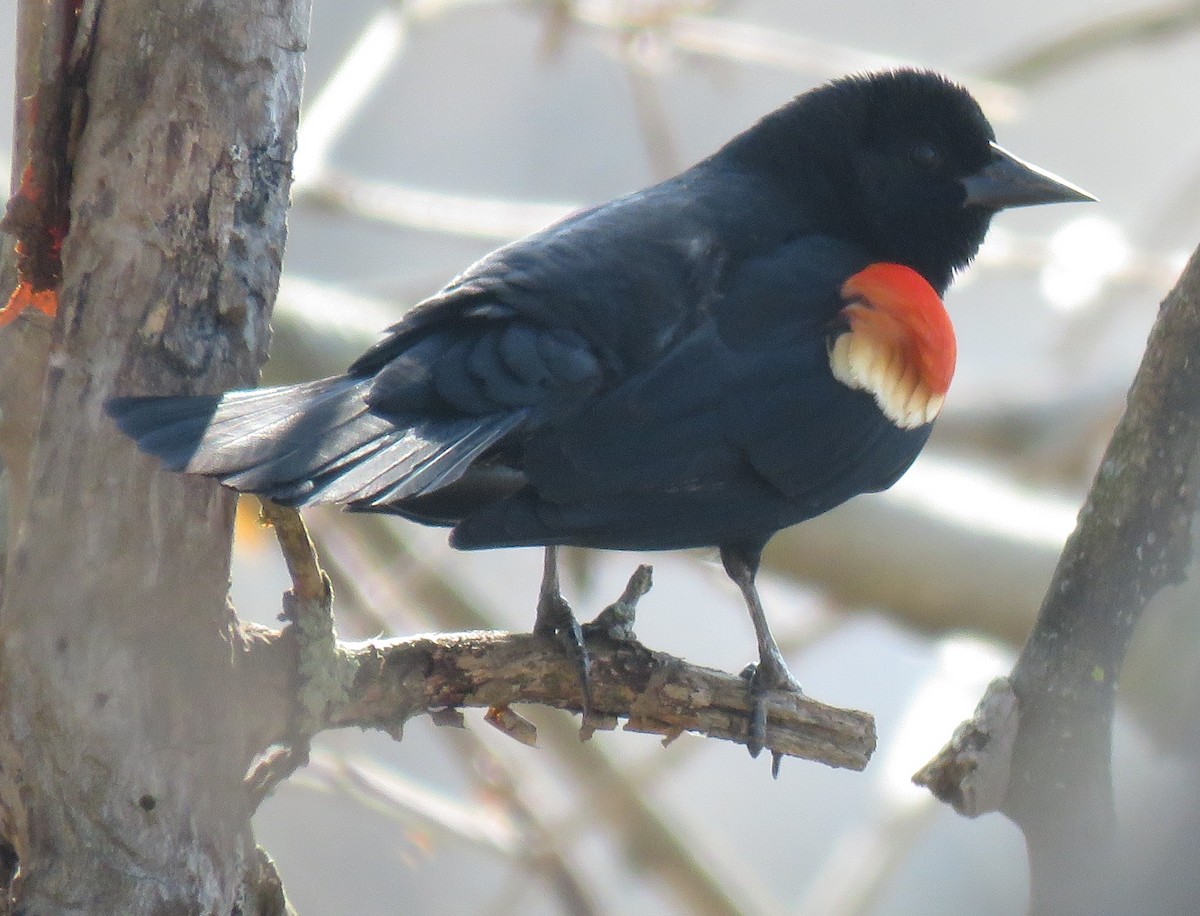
(434, 130)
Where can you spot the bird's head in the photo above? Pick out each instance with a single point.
(902, 161)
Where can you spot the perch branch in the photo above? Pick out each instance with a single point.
(1039, 747)
(655, 693)
(383, 684)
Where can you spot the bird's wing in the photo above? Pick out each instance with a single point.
(746, 398)
(546, 323)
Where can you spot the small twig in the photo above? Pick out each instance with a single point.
(1100, 35)
(273, 768)
(342, 97)
(323, 670)
(654, 122)
(308, 579)
(391, 204)
(545, 847)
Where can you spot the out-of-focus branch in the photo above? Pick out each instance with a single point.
(654, 123)
(1039, 747)
(430, 211)
(358, 73)
(987, 581)
(1098, 36)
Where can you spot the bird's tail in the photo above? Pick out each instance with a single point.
(317, 442)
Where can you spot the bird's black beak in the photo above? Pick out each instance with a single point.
(1007, 181)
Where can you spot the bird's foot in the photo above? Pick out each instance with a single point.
(770, 674)
(556, 620)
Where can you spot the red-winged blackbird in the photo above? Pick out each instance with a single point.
(701, 363)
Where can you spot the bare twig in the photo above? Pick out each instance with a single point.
(1100, 35)
(654, 122)
(656, 693)
(1046, 764)
(308, 580)
(358, 74)
(323, 670)
(392, 204)
(471, 822)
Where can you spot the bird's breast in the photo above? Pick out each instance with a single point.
(895, 342)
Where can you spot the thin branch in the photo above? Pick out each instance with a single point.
(324, 121)
(550, 857)
(322, 669)
(655, 693)
(479, 824)
(1039, 746)
(406, 207)
(653, 118)
(1101, 35)
(308, 579)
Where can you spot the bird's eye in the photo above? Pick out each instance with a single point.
(926, 157)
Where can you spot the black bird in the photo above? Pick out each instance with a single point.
(700, 363)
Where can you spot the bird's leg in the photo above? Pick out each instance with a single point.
(771, 672)
(556, 620)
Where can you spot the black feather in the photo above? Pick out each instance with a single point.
(651, 372)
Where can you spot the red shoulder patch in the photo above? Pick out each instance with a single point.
(900, 345)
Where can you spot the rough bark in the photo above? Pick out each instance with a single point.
(123, 671)
(1039, 747)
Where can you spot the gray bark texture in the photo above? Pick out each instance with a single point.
(1039, 747)
(126, 727)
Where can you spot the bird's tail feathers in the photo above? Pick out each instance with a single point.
(317, 442)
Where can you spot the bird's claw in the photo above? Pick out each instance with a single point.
(763, 678)
(556, 621)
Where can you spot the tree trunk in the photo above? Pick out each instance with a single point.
(128, 718)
